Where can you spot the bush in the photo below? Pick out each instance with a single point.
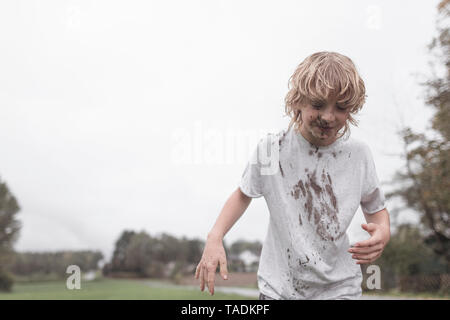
(6, 281)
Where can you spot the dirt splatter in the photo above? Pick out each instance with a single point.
(310, 152)
(308, 203)
(316, 216)
(295, 262)
(297, 188)
(299, 286)
(280, 141)
(281, 169)
(320, 204)
(349, 155)
(332, 196)
(313, 183)
(334, 154)
(303, 263)
(319, 155)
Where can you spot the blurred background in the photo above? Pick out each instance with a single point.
(125, 126)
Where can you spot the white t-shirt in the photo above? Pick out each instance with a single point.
(312, 194)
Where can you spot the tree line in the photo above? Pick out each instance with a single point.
(136, 254)
(39, 266)
(164, 256)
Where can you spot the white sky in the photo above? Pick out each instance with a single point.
(94, 96)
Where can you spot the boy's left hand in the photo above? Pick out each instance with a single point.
(369, 250)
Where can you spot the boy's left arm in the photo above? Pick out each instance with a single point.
(377, 226)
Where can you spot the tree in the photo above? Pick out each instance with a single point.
(119, 255)
(41, 266)
(240, 246)
(406, 256)
(139, 255)
(426, 180)
(9, 231)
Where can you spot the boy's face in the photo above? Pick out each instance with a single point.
(321, 121)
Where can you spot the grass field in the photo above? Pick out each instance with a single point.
(106, 289)
(126, 289)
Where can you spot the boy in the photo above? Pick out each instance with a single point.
(320, 181)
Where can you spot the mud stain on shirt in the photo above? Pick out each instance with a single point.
(295, 192)
(303, 263)
(320, 204)
(281, 169)
(280, 141)
(313, 183)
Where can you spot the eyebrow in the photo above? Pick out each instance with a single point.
(322, 101)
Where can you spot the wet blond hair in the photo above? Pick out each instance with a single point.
(320, 76)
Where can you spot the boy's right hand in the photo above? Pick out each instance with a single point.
(213, 254)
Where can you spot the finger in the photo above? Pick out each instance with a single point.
(367, 243)
(362, 260)
(367, 258)
(364, 250)
(202, 278)
(205, 277)
(197, 271)
(211, 275)
(369, 227)
(224, 269)
(210, 268)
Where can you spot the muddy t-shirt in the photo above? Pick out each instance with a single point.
(312, 194)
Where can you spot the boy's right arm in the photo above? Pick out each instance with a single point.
(214, 252)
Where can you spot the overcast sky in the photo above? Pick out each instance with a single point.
(142, 114)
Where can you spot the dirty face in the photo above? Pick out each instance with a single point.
(321, 121)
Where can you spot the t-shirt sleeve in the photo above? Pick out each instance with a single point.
(372, 197)
(264, 162)
(251, 183)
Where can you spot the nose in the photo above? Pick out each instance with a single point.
(327, 117)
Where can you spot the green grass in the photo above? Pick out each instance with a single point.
(417, 295)
(107, 289)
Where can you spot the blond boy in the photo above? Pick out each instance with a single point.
(321, 179)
